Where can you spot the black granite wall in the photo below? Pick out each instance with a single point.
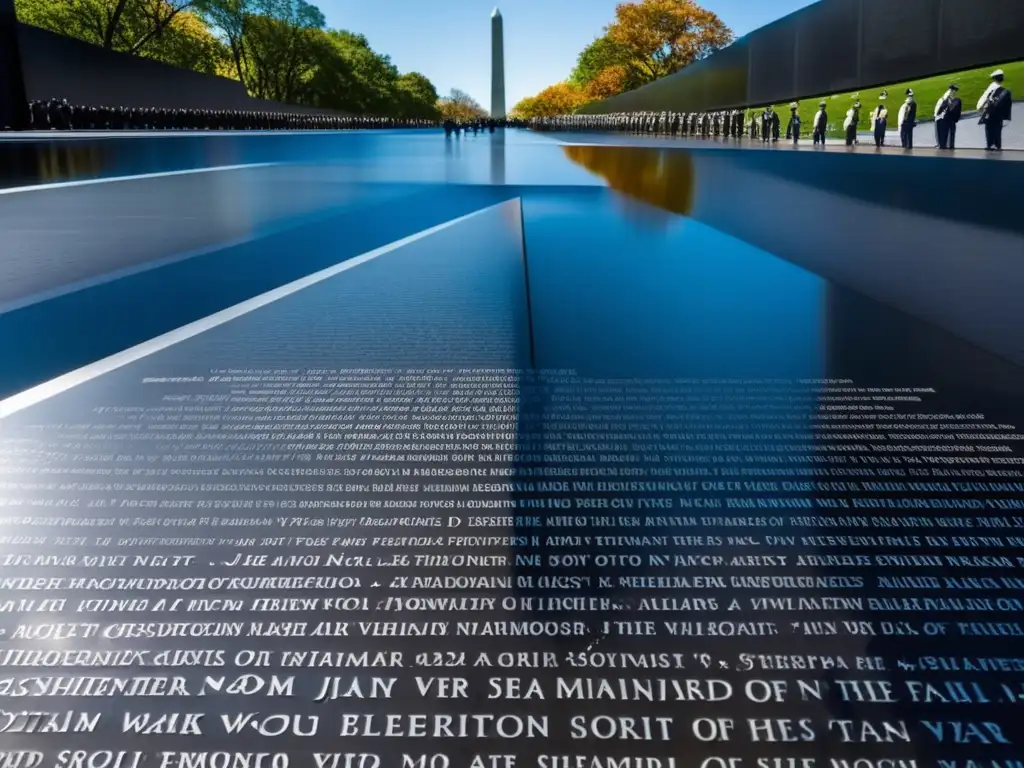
(838, 45)
(56, 66)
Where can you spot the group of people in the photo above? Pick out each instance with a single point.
(458, 127)
(726, 123)
(58, 114)
(994, 109)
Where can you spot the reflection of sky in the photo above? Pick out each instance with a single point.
(616, 294)
(368, 156)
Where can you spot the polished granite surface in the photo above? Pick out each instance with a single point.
(485, 454)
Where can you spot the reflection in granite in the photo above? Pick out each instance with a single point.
(734, 517)
(662, 178)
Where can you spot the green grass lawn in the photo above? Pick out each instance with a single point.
(927, 92)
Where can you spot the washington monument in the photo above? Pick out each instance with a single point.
(497, 66)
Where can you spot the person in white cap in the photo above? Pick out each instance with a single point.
(947, 115)
(850, 123)
(880, 119)
(908, 120)
(995, 104)
(793, 126)
(820, 124)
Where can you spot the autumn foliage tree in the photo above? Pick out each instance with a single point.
(558, 99)
(663, 36)
(647, 40)
(610, 81)
(460, 106)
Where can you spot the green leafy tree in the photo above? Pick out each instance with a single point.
(417, 97)
(281, 47)
(355, 78)
(163, 31)
(599, 55)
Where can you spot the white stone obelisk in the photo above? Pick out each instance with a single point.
(497, 66)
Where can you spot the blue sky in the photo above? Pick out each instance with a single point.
(449, 40)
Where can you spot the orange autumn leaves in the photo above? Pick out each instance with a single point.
(647, 40)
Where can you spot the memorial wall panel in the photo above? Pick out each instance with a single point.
(976, 33)
(898, 37)
(60, 67)
(897, 42)
(827, 40)
(265, 546)
(773, 62)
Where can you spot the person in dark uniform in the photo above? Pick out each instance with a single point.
(996, 105)
(850, 123)
(947, 115)
(769, 125)
(880, 119)
(908, 120)
(793, 126)
(820, 124)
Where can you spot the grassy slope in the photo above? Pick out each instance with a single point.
(928, 91)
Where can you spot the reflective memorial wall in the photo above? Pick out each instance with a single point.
(480, 499)
(834, 46)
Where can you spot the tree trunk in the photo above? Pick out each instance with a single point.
(113, 22)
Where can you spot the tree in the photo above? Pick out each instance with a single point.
(610, 81)
(663, 36)
(167, 33)
(417, 97)
(459, 105)
(601, 53)
(557, 99)
(282, 48)
(278, 49)
(230, 17)
(352, 77)
(119, 25)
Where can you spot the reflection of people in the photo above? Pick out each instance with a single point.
(850, 123)
(947, 115)
(820, 123)
(880, 119)
(908, 120)
(793, 126)
(995, 104)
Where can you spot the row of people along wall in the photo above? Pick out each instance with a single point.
(994, 110)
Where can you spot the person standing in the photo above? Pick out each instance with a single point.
(908, 120)
(850, 124)
(769, 125)
(880, 119)
(820, 124)
(996, 105)
(793, 126)
(947, 115)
